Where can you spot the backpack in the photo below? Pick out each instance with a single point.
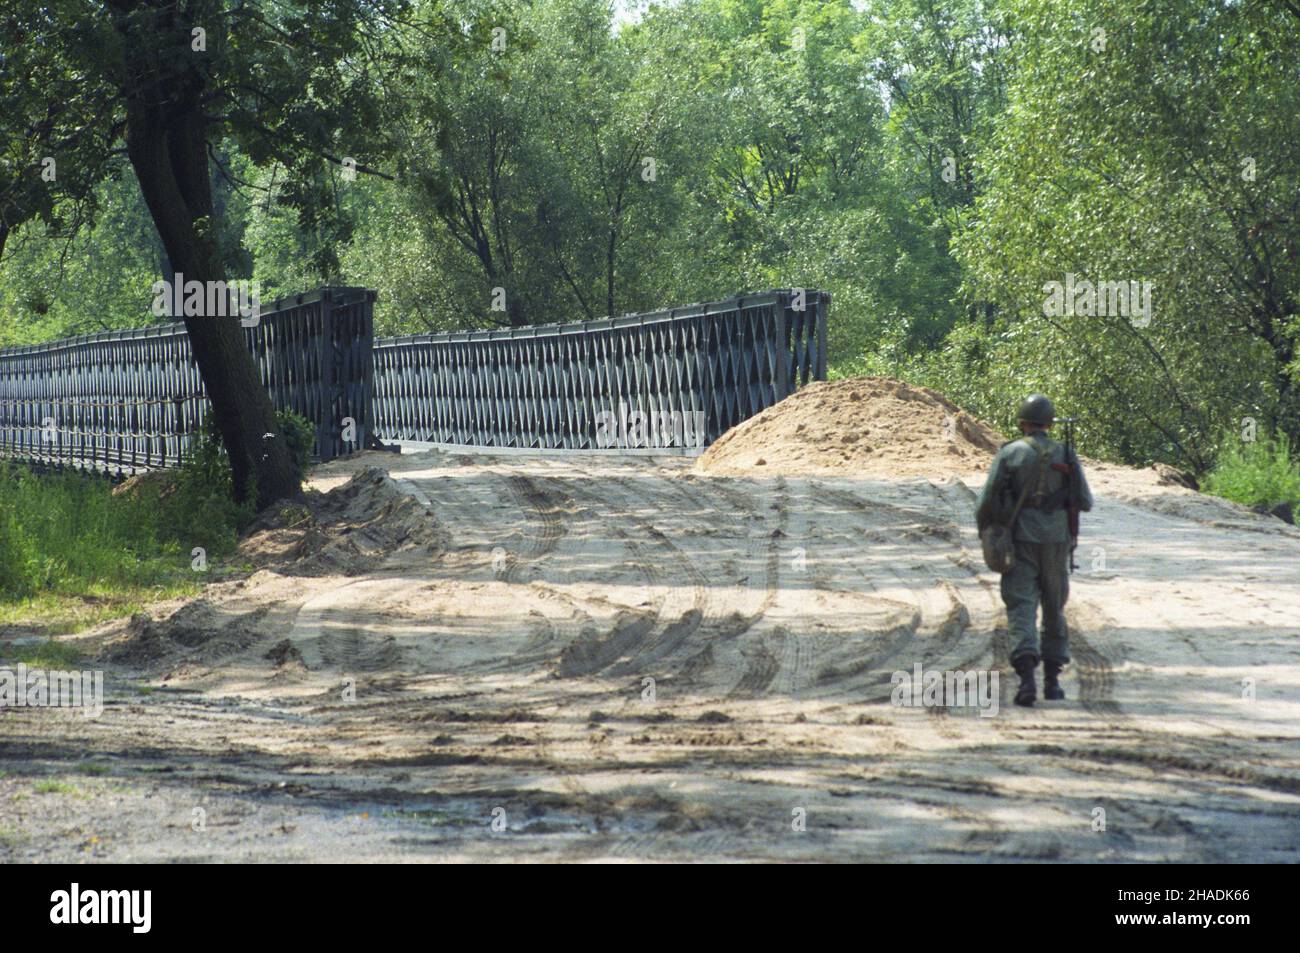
(996, 539)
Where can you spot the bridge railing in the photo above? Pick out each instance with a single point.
(130, 400)
(681, 376)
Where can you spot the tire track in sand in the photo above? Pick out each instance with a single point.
(637, 649)
(545, 512)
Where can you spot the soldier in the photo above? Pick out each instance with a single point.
(1042, 543)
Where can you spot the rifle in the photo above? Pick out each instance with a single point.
(1072, 501)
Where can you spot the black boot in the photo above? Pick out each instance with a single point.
(1052, 689)
(1027, 693)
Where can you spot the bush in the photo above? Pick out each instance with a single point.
(207, 464)
(300, 434)
(1258, 473)
(204, 500)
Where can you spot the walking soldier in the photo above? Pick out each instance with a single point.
(1033, 484)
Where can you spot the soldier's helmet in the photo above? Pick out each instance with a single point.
(1038, 409)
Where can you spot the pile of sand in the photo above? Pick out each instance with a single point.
(352, 530)
(871, 426)
(348, 531)
(199, 629)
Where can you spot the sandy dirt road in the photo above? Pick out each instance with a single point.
(630, 660)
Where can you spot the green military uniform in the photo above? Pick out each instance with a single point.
(1042, 540)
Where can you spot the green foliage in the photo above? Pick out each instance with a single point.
(1117, 160)
(48, 655)
(55, 787)
(204, 489)
(1260, 472)
(50, 275)
(301, 436)
(19, 557)
(65, 532)
(778, 162)
(204, 474)
(69, 533)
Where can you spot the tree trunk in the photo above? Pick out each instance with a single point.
(166, 142)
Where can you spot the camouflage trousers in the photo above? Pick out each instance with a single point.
(1041, 575)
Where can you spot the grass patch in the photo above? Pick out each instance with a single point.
(294, 515)
(70, 534)
(76, 551)
(50, 614)
(1263, 472)
(58, 656)
(54, 787)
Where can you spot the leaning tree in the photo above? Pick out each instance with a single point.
(168, 84)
